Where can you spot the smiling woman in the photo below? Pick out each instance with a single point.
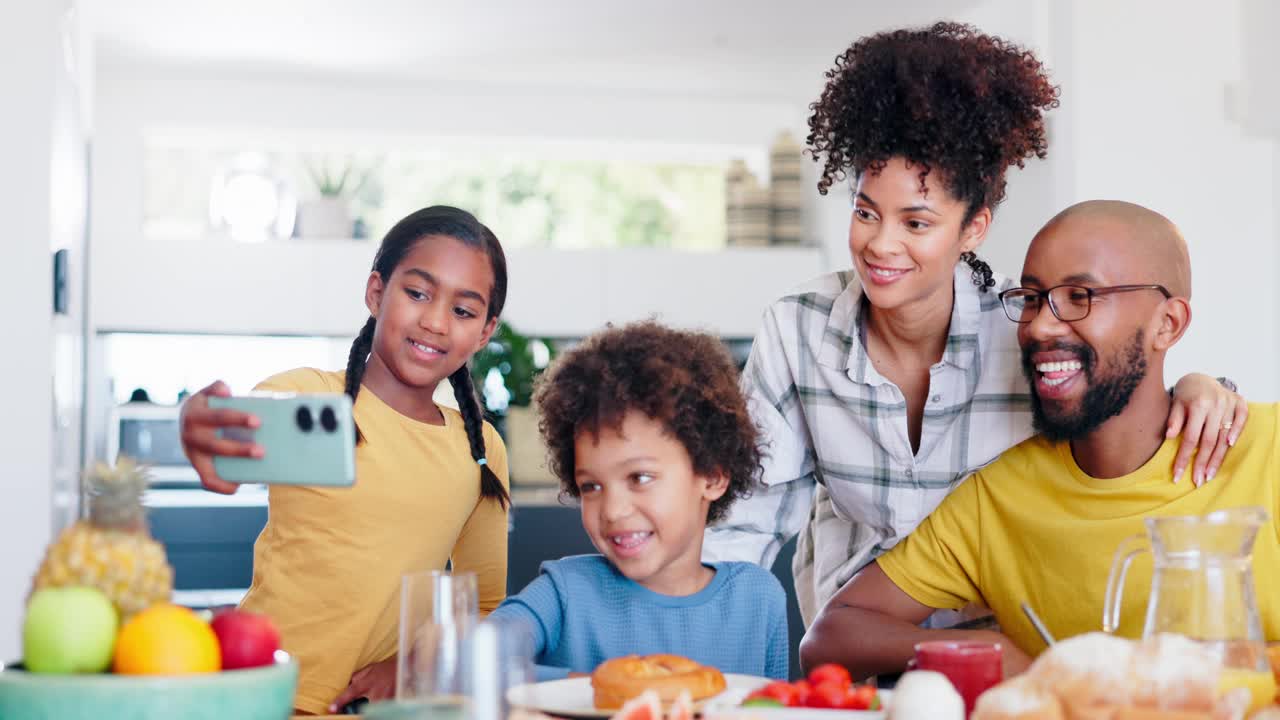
(875, 377)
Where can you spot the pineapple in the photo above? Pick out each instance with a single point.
(111, 550)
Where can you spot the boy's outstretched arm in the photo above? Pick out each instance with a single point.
(871, 627)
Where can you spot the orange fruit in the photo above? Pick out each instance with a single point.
(166, 640)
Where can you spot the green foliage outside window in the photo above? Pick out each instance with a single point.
(528, 200)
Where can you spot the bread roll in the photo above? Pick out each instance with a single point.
(1096, 711)
(1173, 672)
(1087, 671)
(618, 680)
(1102, 677)
(1017, 699)
(1075, 711)
(1137, 713)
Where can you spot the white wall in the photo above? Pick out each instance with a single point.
(1148, 118)
(32, 139)
(1260, 89)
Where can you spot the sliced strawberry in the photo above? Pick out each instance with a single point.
(784, 692)
(827, 695)
(830, 672)
(860, 697)
(803, 691)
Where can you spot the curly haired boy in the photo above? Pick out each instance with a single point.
(647, 429)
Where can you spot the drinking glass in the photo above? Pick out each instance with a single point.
(437, 612)
(498, 662)
(971, 666)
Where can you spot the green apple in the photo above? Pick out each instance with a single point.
(69, 630)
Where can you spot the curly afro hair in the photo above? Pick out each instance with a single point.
(686, 381)
(947, 98)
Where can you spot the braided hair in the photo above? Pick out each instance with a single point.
(947, 98)
(399, 240)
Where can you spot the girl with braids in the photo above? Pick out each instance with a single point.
(432, 481)
(880, 388)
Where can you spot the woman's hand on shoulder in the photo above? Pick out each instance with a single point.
(200, 441)
(1210, 418)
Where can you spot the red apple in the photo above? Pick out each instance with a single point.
(247, 639)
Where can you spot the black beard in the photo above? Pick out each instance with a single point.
(1107, 395)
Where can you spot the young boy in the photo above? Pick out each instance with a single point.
(646, 426)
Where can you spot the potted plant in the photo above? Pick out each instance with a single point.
(504, 374)
(329, 214)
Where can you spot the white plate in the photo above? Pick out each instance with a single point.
(727, 706)
(572, 697)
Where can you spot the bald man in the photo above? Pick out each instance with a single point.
(1105, 294)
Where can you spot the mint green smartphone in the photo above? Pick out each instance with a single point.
(309, 439)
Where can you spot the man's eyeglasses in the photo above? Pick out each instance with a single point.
(1067, 302)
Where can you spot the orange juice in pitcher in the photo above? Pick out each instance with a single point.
(1261, 685)
(1202, 588)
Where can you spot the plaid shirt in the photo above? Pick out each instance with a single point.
(839, 468)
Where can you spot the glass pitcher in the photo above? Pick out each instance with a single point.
(1202, 587)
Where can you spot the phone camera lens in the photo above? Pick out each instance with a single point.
(328, 420)
(305, 421)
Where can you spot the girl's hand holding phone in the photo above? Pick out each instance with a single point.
(201, 441)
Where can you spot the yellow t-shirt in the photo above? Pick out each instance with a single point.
(328, 564)
(1033, 527)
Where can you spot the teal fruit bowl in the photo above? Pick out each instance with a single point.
(264, 693)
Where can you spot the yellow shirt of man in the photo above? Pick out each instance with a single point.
(328, 564)
(1033, 527)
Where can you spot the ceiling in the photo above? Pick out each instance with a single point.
(745, 48)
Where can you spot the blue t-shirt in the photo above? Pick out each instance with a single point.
(580, 611)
